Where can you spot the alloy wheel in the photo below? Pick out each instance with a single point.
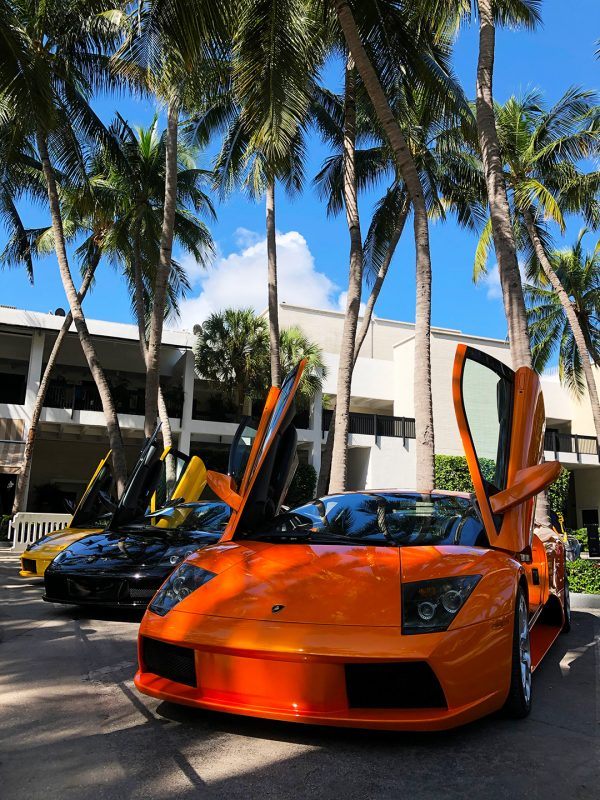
(524, 649)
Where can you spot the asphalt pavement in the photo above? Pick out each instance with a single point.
(73, 727)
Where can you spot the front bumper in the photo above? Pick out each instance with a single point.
(109, 590)
(33, 566)
(298, 672)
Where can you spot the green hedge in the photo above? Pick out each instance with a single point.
(584, 576)
(452, 473)
(303, 485)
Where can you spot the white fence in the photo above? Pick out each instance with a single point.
(27, 527)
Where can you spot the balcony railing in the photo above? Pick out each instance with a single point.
(571, 443)
(83, 398)
(376, 425)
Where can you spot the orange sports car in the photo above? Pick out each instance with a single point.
(389, 609)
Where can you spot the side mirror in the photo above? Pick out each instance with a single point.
(528, 482)
(224, 487)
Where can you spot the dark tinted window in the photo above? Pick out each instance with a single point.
(401, 519)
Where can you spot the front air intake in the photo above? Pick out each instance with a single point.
(169, 661)
(410, 684)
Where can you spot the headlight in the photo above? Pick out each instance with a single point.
(429, 606)
(175, 556)
(180, 583)
(64, 555)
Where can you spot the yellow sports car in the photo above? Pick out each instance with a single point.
(154, 481)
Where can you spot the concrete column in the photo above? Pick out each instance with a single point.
(316, 420)
(34, 372)
(188, 402)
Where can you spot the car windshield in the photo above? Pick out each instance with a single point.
(207, 517)
(394, 519)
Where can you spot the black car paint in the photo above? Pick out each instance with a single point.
(120, 569)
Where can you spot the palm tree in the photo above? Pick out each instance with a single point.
(541, 150)
(170, 49)
(390, 45)
(54, 57)
(233, 350)
(129, 183)
(522, 12)
(261, 106)
(550, 327)
(449, 172)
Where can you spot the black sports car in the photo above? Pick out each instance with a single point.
(125, 567)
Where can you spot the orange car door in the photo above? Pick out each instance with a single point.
(501, 420)
(96, 500)
(262, 461)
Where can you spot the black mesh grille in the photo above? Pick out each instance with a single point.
(169, 661)
(29, 565)
(411, 684)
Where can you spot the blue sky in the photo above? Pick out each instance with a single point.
(313, 251)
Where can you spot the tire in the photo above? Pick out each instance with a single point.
(518, 702)
(567, 608)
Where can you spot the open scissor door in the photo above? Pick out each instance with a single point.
(98, 498)
(501, 420)
(262, 461)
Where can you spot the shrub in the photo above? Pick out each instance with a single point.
(582, 536)
(558, 492)
(303, 485)
(584, 576)
(452, 473)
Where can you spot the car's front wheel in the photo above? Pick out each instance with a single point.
(518, 703)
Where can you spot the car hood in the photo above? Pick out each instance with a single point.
(320, 584)
(56, 542)
(116, 551)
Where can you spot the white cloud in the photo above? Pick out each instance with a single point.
(239, 280)
(491, 282)
(342, 301)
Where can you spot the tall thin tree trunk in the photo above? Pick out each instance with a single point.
(572, 318)
(140, 313)
(380, 278)
(504, 242)
(272, 285)
(327, 455)
(87, 345)
(159, 298)
(23, 478)
(425, 444)
(341, 419)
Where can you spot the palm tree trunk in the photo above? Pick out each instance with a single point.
(140, 313)
(87, 345)
(341, 419)
(425, 444)
(159, 298)
(327, 455)
(380, 278)
(272, 285)
(572, 318)
(22, 486)
(504, 242)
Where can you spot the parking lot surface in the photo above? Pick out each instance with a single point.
(73, 727)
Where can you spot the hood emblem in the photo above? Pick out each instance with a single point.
(277, 608)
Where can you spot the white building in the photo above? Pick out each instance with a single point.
(72, 431)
